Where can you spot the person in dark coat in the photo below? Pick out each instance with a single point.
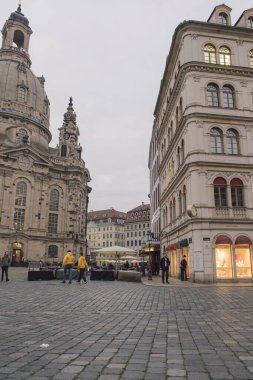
(165, 266)
(5, 263)
(183, 266)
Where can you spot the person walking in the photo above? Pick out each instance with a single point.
(183, 266)
(68, 263)
(165, 266)
(5, 263)
(81, 266)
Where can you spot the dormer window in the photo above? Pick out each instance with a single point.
(223, 18)
(250, 22)
(22, 93)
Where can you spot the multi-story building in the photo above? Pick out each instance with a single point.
(204, 132)
(105, 228)
(137, 226)
(44, 190)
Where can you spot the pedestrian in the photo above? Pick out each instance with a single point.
(183, 266)
(68, 263)
(165, 266)
(5, 263)
(81, 266)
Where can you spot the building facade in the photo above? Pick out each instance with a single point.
(105, 228)
(137, 226)
(204, 133)
(44, 190)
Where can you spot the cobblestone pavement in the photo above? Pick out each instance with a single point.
(119, 330)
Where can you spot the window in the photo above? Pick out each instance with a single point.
(174, 209)
(52, 251)
(64, 151)
(251, 58)
(250, 22)
(228, 97)
(232, 141)
(19, 218)
(184, 199)
(216, 140)
(178, 157)
(182, 151)
(212, 95)
(52, 223)
(220, 192)
(22, 93)
(21, 193)
(223, 18)
(236, 192)
(54, 200)
(210, 54)
(225, 56)
(180, 202)
(22, 136)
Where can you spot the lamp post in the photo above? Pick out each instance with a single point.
(149, 258)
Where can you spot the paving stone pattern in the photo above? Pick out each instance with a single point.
(119, 330)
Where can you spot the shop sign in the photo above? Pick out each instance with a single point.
(206, 238)
(190, 240)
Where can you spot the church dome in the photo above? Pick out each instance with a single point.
(18, 16)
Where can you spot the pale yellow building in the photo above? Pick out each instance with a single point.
(44, 190)
(201, 150)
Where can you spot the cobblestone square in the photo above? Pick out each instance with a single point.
(119, 330)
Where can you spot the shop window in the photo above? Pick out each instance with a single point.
(223, 18)
(232, 141)
(210, 54)
(236, 186)
(220, 192)
(223, 257)
(242, 257)
(216, 136)
(228, 97)
(225, 56)
(250, 22)
(52, 252)
(251, 58)
(212, 95)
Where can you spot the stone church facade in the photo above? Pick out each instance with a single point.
(44, 190)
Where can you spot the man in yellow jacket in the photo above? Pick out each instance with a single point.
(82, 265)
(68, 263)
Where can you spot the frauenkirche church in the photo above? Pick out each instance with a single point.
(44, 190)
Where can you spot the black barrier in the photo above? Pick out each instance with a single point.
(104, 275)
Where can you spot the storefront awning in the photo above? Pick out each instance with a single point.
(222, 239)
(172, 247)
(184, 243)
(243, 240)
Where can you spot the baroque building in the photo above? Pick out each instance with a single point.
(137, 226)
(203, 133)
(44, 190)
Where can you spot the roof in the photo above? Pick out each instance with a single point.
(138, 214)
(105, 214)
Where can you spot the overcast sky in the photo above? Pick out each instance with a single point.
(109, 55)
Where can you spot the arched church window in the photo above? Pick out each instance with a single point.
(64, 151)
(22, 136)
(20, 201)
(18, 39)
(54, 200)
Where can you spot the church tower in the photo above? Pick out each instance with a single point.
(44, 190)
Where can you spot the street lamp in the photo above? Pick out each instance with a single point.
(149, 254)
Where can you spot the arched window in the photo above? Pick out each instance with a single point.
(20, 201)
(18, 39)
(22, 136)
(232, 141)
(225, 56)
(53, 252)
(166, 215)
(22, 91)
(223, 18)
(178, 157)
(212, 95)
(54, 200)
(250, 22)
(251, 58)
(210, 54)
(228, 97)
(184, 199)
(180, 202)
(182, 151)
(236, 186)
(181, 107)
(216, 140)
(177, 120)
(64, 151)
(171, 215)
(220, 192)
(169, 137)
(174, 209)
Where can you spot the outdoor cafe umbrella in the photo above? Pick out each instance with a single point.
(114, 253)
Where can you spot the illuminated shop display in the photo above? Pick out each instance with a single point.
(243, 261)
(223, 261)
